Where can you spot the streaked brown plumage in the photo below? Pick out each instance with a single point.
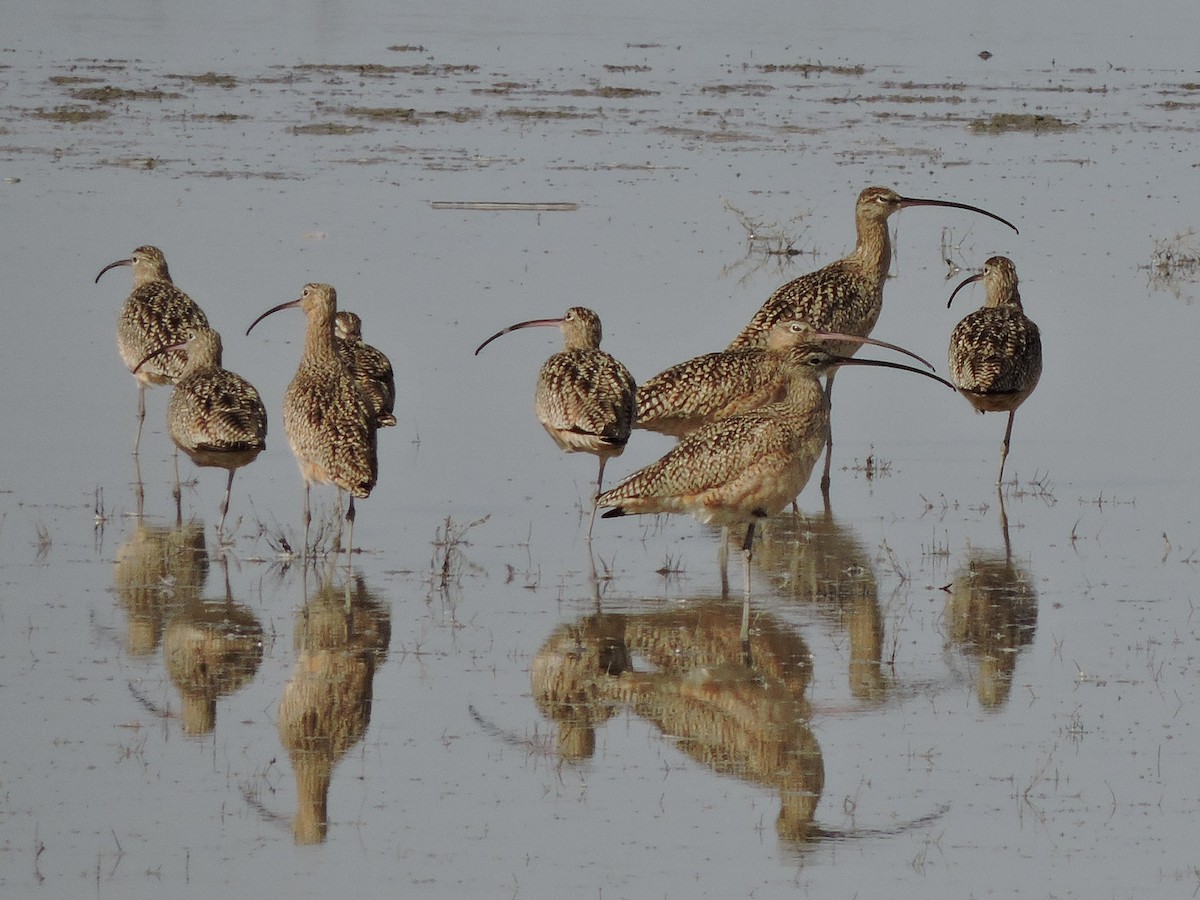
(846, 295)
(996, 352)
(155, 314)
(585, 398)
(215, 416)
(370, 367)
(325, 415)
(749, 466)
(716, 386)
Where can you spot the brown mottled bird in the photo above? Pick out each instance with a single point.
(585, 398)
(718, 385)
(156, 314)
(749, 466)
(846, 295)
(996, 351)
(216, 417)
(325, 415)
(370, 367)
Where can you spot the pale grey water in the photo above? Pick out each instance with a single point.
(940, 777)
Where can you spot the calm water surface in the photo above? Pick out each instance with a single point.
(936, 707)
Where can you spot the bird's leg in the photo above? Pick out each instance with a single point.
(746, 657)
(225, 504)
(307, 516)
(350, 540)
(1004, 447)
(177, 491)
(1004, 525)
(141, 417)
(139, 490)
(594, 579)
(723, 561)
(599, 490)
(829, 437)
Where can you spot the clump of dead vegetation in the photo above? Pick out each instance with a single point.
(70, 115)
(1005, 122)
(1174, 263)
(768, 240)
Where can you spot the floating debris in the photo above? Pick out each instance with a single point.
(565, 206)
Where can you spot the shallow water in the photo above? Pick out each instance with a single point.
(921, 713)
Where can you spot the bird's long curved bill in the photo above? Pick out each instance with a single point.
(159, 352)
(530, 324)
(859, 339)
(971, 280)
(918, 201)
(855, 361)
(113, 265)
(273, 309)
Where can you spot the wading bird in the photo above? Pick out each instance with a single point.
(585, 398)
(216, 417)
(325, 415)
(156, 314)
(996, 352)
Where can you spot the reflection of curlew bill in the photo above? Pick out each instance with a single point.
(158, 570)
(815, 560)
(212, 647)
(991, 614)
(342, 635)
(748, 722)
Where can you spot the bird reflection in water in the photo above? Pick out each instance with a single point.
(159, 569)
(212, 647)
(991, 613)
(752, 722)
(342, 636)
(817, 561)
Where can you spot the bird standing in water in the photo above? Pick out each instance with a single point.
(996, 352)
(370, 367)
(585, 398)
(156, 314)
(216, 417)
(325, 415)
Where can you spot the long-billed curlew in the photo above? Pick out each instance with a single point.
(747, 467)
(585, 398)
(996, 351)
(156, 314)
(216, 417)
(325, 415)
(846, 295)
(370, 367)
(718, 385)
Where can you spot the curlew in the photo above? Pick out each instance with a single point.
(325, 415)
(585, 398)
(846, 295)
(747, 467)
(370, 367)
(996, 351)
(156, 314)
(718, 385)
(215, 416)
